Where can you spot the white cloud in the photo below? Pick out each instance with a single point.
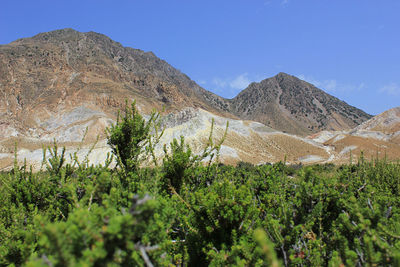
(392, 89)
(240, 82)
(331, 85)
(219, 82)
(202, 82)
(267, 2)
(230, 87)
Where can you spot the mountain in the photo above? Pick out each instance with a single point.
(53, 73)
(66, 85)
(289, 104)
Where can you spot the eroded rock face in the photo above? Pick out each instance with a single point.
(53, 73)
(289, 104)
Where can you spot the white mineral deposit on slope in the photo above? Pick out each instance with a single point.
(318, 140)
(384, 126)
(323, 136)
(78, 114)
(96, 155)
(339, 137)
(33, 158)
(195, 125)
(31, 155)
(310, 159)
(227, 151)
(68, 134)
(347, 149)
(304, 139)
(384, 121)
(372, 134)
(198, 127)
(246, 140)
(75, 132)
(261, 128)
(236, 126)
(7, 131)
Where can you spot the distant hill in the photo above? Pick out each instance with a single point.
(289, 104)
(377, 137)
(387, 122)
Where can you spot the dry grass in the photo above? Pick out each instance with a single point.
(371, 148)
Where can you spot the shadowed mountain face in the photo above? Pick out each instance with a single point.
(289, 104)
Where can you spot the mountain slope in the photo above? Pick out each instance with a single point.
(387, 122)
(245, 141)
(61, 84)
(55, 72)
(289, 104)
(377, 137)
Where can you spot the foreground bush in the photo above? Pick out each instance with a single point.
(186, 214)
(222, 216)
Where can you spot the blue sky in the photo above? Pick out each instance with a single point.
(349, 48)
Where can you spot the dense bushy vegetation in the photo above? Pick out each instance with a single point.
(190, 214)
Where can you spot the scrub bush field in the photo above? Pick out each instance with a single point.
(189, 210)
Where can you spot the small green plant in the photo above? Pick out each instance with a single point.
(178, 165)
(132, 138)
(55, 163)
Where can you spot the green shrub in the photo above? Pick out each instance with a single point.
(204, 214)
(132, 138)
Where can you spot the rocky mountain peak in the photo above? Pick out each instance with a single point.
(287, 103)
(282, 75)
(55, 72)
